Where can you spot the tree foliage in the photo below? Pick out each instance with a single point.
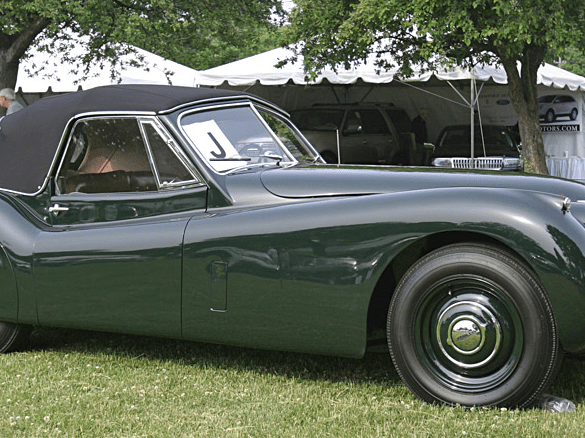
(216, 32)
(198, 33)
(573, 60)
(431, 32)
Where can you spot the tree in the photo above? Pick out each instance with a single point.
(230, 31)
(573, 60)
(108, 27)
(431, 32)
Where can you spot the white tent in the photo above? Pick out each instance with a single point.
(60, 76)
(262, 69)
(445, 92)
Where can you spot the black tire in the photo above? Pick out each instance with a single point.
(12, 336)
(574, 114)
(471, 325)
(550, 116)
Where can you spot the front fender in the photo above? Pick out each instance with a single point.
(534, 225)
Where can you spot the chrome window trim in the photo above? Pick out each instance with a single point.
(220, 101)
(138, 118)
(90, 116)
(272, 133)
(277, 112)
(175, 149)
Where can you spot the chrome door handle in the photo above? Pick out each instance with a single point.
(56, 209)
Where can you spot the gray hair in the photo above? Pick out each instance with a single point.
(8, 93)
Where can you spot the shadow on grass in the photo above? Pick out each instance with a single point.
(570, 381)
(374, 368)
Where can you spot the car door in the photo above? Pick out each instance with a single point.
(112, 257)
(367, 139)
(566, 106)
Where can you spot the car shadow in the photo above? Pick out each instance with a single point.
(374, 368)
(570, 381)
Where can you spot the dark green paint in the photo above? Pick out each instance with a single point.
(219, 284)
(300, 271)
(85, 208)
(8, 293)
(286, 258)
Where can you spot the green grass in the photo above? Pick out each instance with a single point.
(84, 384)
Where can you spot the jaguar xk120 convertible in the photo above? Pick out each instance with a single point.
(205, 215)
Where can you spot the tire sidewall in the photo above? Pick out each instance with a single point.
(520, 288)
(550, 116)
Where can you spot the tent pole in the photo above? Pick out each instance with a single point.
(472, 121)
(338, 147)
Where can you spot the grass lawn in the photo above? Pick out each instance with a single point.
(84, 384)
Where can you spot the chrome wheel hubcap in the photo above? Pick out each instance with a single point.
(468, 334)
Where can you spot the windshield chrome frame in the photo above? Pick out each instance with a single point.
(253, 105)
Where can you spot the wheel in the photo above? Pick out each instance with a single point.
(471, 325)
(550, 116)
(12, 336)
(574, 113)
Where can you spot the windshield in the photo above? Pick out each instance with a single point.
(456, 142)
(546, 99)
(317, 119)
(237, 137)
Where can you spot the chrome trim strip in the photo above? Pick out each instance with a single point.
(175, 149)
(219, 100)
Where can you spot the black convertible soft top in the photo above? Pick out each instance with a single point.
(30, 137)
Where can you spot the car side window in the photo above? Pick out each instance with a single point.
(106, 155)
(353, 123)
(170, 168)
(366, 122)
(373, 122)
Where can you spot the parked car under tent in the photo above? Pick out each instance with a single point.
(446, 93)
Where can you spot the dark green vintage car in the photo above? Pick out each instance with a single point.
(205, 215)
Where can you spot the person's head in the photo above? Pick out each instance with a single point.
(423, 112)
(7, 96)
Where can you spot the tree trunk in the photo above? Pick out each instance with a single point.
(8, 71)
(524, 97)
(13, 47)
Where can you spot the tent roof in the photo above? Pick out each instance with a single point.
(261, 69)
(61, 76)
